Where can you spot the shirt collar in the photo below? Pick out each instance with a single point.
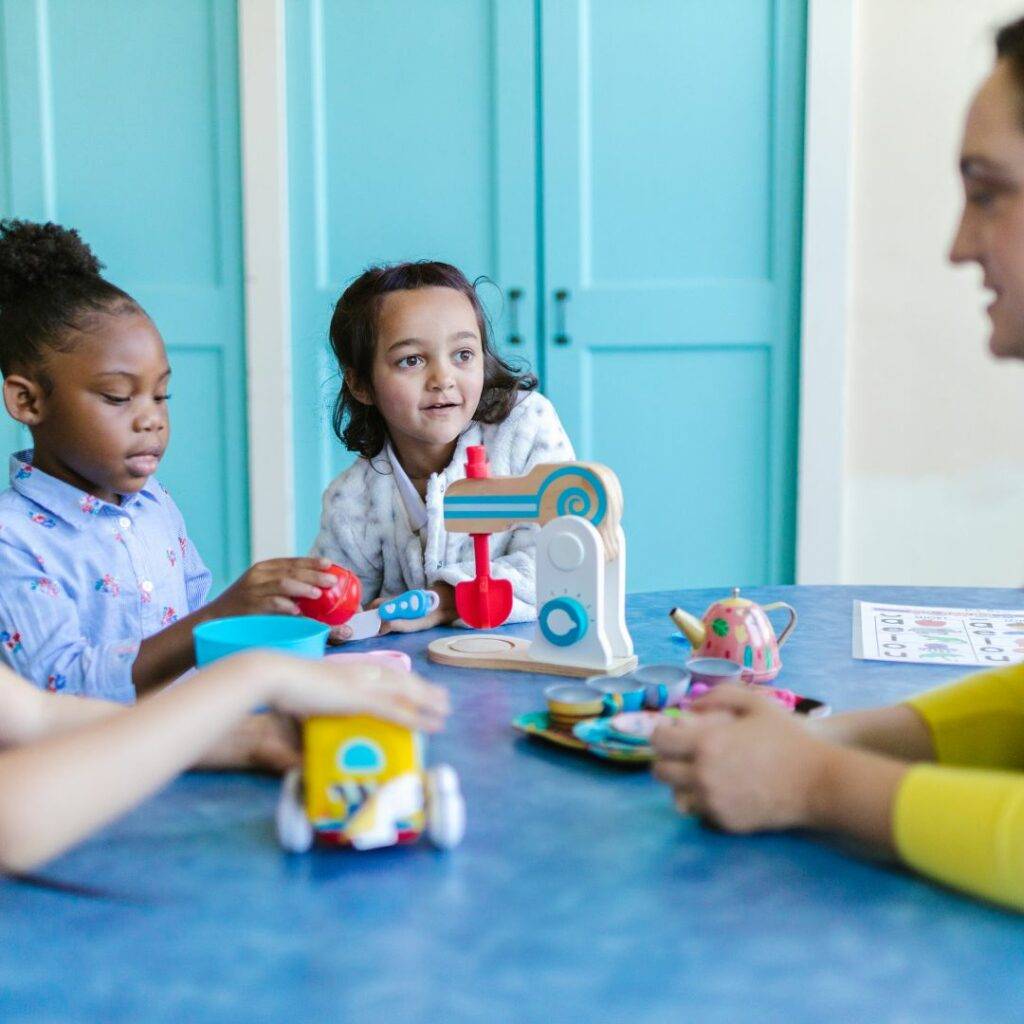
(61, 499)
(414, 504)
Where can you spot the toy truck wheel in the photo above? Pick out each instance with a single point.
(446, 809)
(294, 831)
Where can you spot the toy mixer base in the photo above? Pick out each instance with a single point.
(512, 654)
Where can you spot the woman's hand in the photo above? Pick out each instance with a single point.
(303, 688)
(742, 762)
(270, 588)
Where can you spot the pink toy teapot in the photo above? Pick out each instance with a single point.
(739, 630)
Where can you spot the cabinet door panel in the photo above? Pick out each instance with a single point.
(411, 136)
(672, 153)
(121, 120)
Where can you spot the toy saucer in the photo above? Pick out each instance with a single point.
(597, 734)
(537, 724)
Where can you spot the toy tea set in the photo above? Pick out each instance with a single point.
(614, 718)
(364, 784)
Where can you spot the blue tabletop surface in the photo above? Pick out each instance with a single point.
(578, 894)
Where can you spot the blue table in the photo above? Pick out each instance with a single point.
(578, 895)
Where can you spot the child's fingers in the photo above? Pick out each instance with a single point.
(290, 587)
(320, 580)
(278, 605)
(339, 635)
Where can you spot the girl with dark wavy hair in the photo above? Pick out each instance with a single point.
(420, 383)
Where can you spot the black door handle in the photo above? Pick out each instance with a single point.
(561, 298)
(514, 295)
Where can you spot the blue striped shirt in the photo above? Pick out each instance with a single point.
(83, 582)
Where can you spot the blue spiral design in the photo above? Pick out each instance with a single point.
(574, 500)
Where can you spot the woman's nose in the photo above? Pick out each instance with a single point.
(964, 248)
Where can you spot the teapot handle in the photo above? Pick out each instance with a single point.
(790, 626)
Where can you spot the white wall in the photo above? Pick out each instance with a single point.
(934, 484)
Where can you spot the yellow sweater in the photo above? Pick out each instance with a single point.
(962, 820)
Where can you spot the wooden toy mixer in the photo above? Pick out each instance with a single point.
(581, 569)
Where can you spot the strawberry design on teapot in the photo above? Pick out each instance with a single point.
(739, 630)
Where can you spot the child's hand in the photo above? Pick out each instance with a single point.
(268, 742)
(304, 688)
(270, 587)
(443, 614)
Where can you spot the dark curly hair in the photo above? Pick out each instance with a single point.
(50, 287)
(353, 336)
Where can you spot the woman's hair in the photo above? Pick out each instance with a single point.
(50, 287)
(1010, 47)
(353, 336)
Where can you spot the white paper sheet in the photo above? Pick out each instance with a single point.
(985, 637)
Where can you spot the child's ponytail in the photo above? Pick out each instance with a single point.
(50, 283)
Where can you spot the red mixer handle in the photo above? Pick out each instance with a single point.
(476, 462)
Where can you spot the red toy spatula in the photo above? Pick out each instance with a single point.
(484, 602)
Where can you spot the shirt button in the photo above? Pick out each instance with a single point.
(147, 586)
(125, 523)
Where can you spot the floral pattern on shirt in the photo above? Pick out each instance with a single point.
(11, 641)
(109, 585)
(44, 585)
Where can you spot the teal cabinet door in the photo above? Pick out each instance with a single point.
(672, 155)
(410, 136)
(120, 118)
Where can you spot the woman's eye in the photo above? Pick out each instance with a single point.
(116, 399)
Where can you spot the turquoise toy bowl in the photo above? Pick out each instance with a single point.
(220, 638)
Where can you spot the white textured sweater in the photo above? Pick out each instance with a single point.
(365, 525)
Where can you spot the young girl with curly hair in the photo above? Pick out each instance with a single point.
(421, 382)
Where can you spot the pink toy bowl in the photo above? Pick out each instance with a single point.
(392, 659)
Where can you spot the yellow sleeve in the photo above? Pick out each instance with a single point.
(964, 827)
(977, 721)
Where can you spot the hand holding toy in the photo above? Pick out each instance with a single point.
(276, 587)
(337, 602)
(413, 604)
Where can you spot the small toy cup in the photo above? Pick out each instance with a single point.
(663, 685)
(621, 693)
(220, 638)
(337, 604)
(569, 703)
(712, 671)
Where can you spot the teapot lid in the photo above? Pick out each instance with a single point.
(735, 601)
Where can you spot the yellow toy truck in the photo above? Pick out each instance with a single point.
(363, 785)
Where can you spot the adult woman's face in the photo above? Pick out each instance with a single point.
(991, 230)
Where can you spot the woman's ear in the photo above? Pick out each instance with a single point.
(361, 394)
(25, 399)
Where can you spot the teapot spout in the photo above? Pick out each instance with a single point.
(689, 625)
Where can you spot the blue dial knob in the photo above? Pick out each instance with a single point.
(578, 618)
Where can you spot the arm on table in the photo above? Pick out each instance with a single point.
(58, 790)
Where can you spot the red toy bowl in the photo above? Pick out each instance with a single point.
(337, 604)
